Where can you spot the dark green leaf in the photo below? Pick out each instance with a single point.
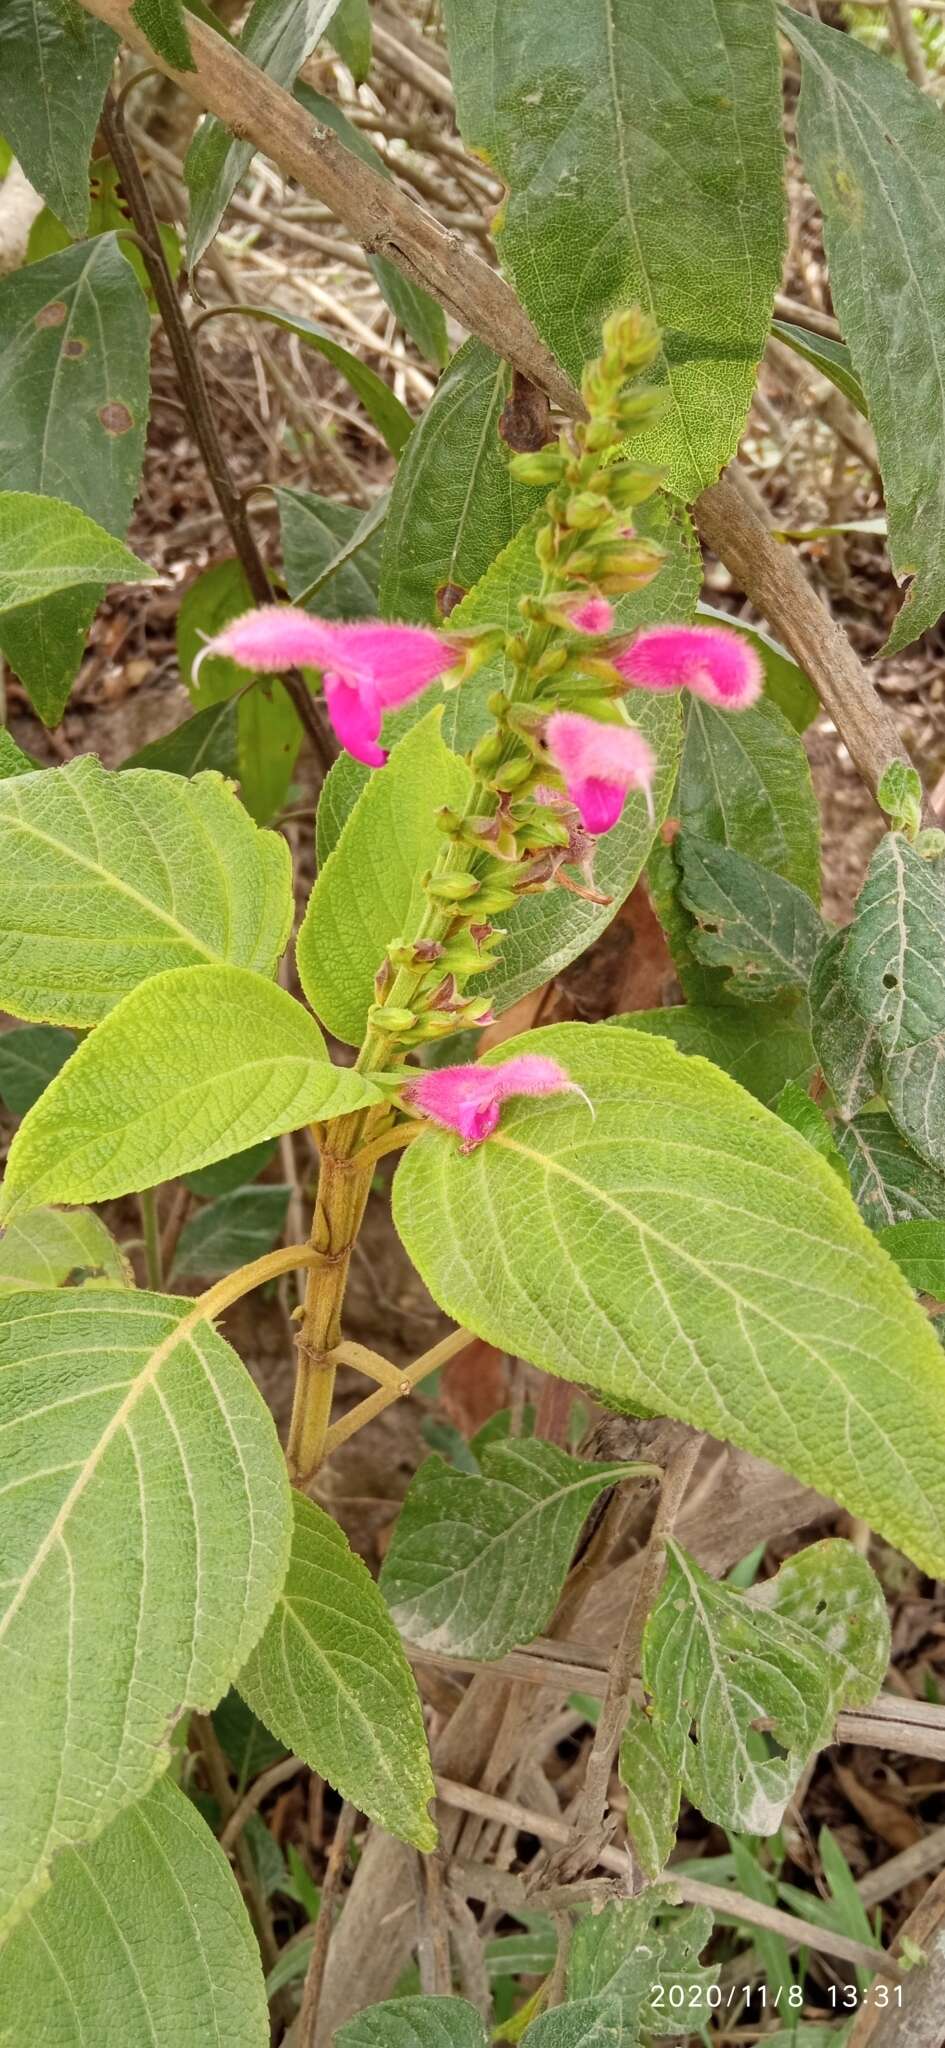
(893, 963)
(164, 24)
(745, 782)
(654, 1791)
(831, 358)
(919, 1252)
(245, 1741)
(391, 419)
(227, 1174)
(874, 151)
(52, 84)
(794, 1105)
(890, 1183)
(846, 1043)
(208, 740)
(349, 33)
(30, 1055)
(762, 1045)
(74, 346)
(454, 504)
(915, 1092)
(239, 1227)
(748, 919)
(415, 2023)
(574, 108)
(476, 1564)
(270, 735)
(316, 534)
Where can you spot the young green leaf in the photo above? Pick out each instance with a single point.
(278, 36)
(730, 1283)
(89, 1962)
(415, 2023)
(164, 24)
(145, 1528)
(349, 32)
(52, 1249)
(315, 532)
(831, 358)
(847, 1043)
(239, 1227)
(745, 783)
(13, 761)
(762, 1045)
(47, 545)
(74, 341)
(453, 505)
(208, 740)
(330, 1678)
(194, 1063)
(369, 891)
(106, 879)
(476, 1564)
(52, 84)
(572, 108)
(748, 919)
(791, 1651)
(893, 963)
(29, 1057)
(890, 1183)
(653, 1789)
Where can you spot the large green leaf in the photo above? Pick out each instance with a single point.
(890, 1183)
(145, 1519)
(74, 348)
(106, 879)
(792, 1651)
(239, 1227)
(874, 151)
(847, 1043)
(369, 891)
(54, 1249)
(744, 781)
(143, 1939)
(268, 732)
(314, 532)
(454, 504)
(477, 1562)
(893, 962)
(747, 919)
(194, 1064)
(29, 1057)
(689, 1252)
(278, 36)
(762, 1045)
(632, 1953)
(415, 2023)
(349, 33)
(418, 314)
(330, 1678)
(56, 65)
(641, 146)
(46, 545)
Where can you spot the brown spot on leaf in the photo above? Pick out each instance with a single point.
(448, 597)
(52, 315)
(115, 417)
(525, 423)
(74, 349)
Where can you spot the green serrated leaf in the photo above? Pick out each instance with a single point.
(653, 1789)
(90, 1961)
(628, 1956)
(454, 504)
(419, 315)
(53, 1249)
(208, 740)
(52, 84)
(831, 358)
(791, 1651)
(900, 796)
(893, 963)
(244, 1740)
(745, 783)
(315, 533)
(13, 761)
(762, 1045)
(572, 108)
(874, 152)
(747, 919)
(702, 1211)
(46, 546)
(74, 347)
(164, 24)
(194, 1062)
(29, 1057)
(415, 2023)
(846, 1043)
(105, 879)
(476, 1564)
(915, 1092)
(369, 891)
(278, 36)
(330, 1678)
(148, 1487)
(239, 1227)
(890, 1183)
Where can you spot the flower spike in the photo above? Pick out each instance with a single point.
(468, 1099)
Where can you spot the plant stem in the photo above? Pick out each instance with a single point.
(314, 1975)
(344, 1184)
(154, 1263)
(411, 1377)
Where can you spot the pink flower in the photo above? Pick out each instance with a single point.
(714, 664)
(595, 615)
(368, 667)
(600, 764)
(468, 1099)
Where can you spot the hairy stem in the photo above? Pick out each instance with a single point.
(153, 1259)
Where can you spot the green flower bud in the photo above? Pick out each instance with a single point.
(631, 483)
(545, 466)
(638, 410)
(486, 755)
(514, 773)
(633, 336)
(583, 511)
(451, 888)
(396, 1023)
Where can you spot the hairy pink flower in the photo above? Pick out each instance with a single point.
(714, 664)
(368, 667)
(600, 764)
(468, 1099)
(595, 615)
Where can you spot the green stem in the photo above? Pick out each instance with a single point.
(154, 1264)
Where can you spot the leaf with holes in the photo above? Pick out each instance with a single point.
(642, 1253)
(745, 783)
(52, 1248)
(476, 1564)
(193, 1065)
(74, 345)
(145, 1529)
(106, 879)
(791, 1652)
(762, 1045)
(632, 1953)
(847, 1043)
(890, 1183)
(330, 1678)
(574, 109)
(893, 962)
(747, 919)
(874, 151)
(52, 83)
(90, 1961)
